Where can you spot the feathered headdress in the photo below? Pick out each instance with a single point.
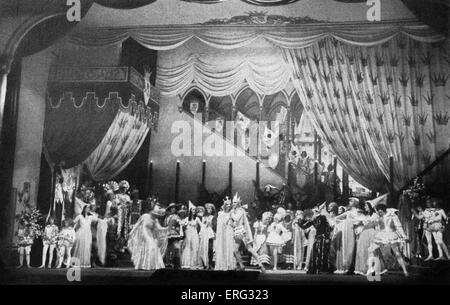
(191, 205)
(236, 198)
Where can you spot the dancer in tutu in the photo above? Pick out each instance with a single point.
(49, 241)
(274, 239)
(260, 244)
(224, 246)
(242, 232)
(207, 235)
(66, 240)
(390, 236)
(191, 243)
(148, 241)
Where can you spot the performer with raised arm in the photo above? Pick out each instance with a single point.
(49, 241)
(241, 231)
(148, 240)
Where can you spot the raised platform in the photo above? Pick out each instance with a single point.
(129, 276)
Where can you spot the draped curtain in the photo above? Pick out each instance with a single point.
(369, 103)
(119, 146)
(104, 138)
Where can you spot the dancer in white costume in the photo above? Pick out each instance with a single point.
(391, 235)
(49, 241)
(148, 241)
(66, 239)
(224, 246)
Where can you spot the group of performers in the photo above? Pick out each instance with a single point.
(362, 237)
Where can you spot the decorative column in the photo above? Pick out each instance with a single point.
(5, 66)
(230, 177)
(335, 186)
(345, 186)
(177, 182)
(391, 181)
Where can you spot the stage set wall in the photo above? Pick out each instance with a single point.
(30, 126)
(217, 167)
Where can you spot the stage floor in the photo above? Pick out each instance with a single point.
(129, 276)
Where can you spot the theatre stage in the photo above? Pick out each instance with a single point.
(438, 274)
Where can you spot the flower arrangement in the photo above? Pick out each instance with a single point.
(416, 192)
(30, 220)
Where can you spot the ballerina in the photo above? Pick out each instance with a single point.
(274, 239)
(148, 241)
(49, 241)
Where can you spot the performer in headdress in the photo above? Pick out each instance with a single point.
(148, 241)
(224, 247)
(172, 221)
(207, 235)
(274, 239)
(124, 202)
(242, 232)
(390, 236)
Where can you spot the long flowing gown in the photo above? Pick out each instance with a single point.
(344, 241)
(225, 259)
(83, 241)
(191, 246)
(319, 257)
(146, 244)
(364, 240)
(102, 228)
(205, 234)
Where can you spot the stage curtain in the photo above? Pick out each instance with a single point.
(371, 103)
(222, 72)
(73, 131)
(119, 146)
(233, 37)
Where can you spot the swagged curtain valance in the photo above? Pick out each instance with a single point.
(371, 89)
(97, 125)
